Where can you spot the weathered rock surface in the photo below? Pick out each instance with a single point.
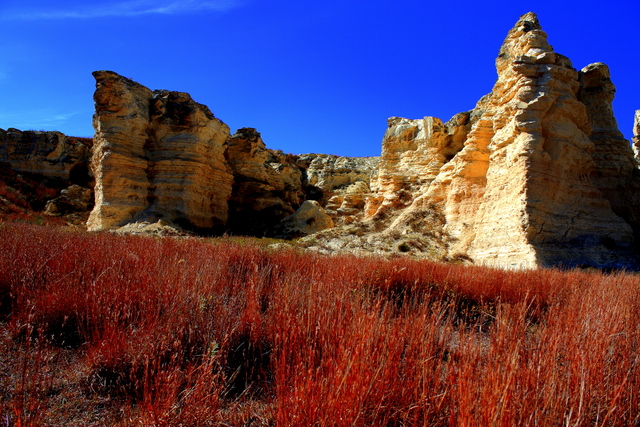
(308, 219)
(341, 184)
(537, 174)
(327, 172)
(616, 172)
(51, 154)
(267, 184)
(72, 199)
(636, 135)
(156, 155)
(159, 155)
(519, 193)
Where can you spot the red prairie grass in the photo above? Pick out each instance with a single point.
(187, 332)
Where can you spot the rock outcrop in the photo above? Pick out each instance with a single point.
(341, 184)
(636, 135)
(267, 184)
(520, 192)
(537, 174)
(525, 189)
(157, 156)
(308, 219)
(616, 169)
(72, 199)
(51, 154)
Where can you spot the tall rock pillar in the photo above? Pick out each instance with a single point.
(520, 193)
(157, 155)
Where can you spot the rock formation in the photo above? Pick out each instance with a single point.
(636, 135)
(267, 184)
(72, 199)
(524, 171)
(157, 155)
(51, 154)
(308, 219)
(341, 184)
(537, 174)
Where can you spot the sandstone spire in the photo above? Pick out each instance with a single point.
(520, 192)
(157, 155)
(636, 135)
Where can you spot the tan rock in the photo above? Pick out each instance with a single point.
(519, 194)
(616, 173)
(636, 136)
(341, 184)
(72, 199)
(521, 189)
(413, 152)
(308, 219)
(267, 186)
(51, 154)
(156, 155)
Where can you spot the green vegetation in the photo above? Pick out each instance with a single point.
(99, 329)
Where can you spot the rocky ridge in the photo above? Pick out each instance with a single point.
(160, 156)
(50, 154)
(537, 174)
(636, 135)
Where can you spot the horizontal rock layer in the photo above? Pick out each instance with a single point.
(50, 154)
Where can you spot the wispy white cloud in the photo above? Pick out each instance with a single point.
(126, 9)
(43, 119)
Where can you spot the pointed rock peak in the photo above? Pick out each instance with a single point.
(525, 42)
(527, 22)
(595, 76)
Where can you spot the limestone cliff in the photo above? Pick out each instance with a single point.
(341, 184)
(537, 174)
(520, 192)
(267, 184)
(616, 172)
(636, 135)
(51, 154)
(157, 155)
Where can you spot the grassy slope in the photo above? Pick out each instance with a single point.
(100, 329)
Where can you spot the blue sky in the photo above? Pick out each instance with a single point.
(311, 76)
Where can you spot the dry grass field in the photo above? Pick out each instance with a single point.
(99, 329)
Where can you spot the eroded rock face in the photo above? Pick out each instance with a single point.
(636, 135)
(537, 174)
(308, 219)
(267, 184)
(520, 193)
(51, 154)
(327, 173)
(156, 156)
(341, 184)
(616, 172)
(72, 199)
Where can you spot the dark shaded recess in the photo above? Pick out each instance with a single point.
(7, 300)
(32, 187)
(188, 226)
(248, 367)
(64, 332)
(255, 223)
(127, 376)
(79, 175)
(313, 193)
